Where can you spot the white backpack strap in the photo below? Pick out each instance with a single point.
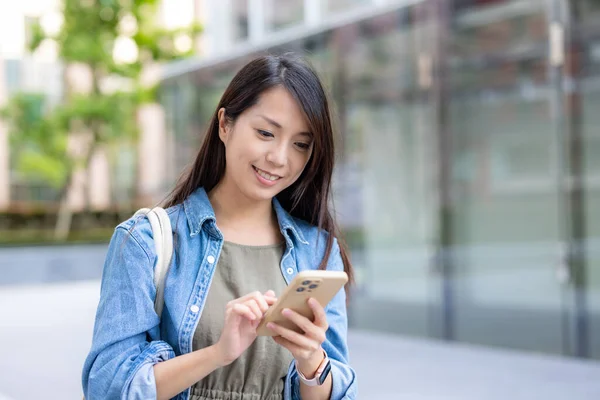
(163, 243)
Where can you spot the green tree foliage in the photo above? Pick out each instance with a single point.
(89, 34)
(37, 139)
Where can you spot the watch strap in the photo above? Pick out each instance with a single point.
(320, 375)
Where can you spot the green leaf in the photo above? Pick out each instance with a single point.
(37, 37)
(38, 145)
(38, 165)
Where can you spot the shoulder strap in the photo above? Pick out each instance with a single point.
(163, 242)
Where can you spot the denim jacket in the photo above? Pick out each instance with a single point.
(129, 337)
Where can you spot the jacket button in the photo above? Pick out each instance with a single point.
(290, 271)
(210, 259)
(194, 309)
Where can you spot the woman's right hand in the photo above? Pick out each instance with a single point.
(242, 317)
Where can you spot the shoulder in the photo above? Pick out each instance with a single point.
(311, 233)
(138, 227)
(315, 239)
(302, 232)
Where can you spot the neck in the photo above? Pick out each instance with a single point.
(232, 209)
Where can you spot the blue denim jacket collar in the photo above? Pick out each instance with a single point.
(199, 211)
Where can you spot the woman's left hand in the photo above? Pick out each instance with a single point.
(306, 348)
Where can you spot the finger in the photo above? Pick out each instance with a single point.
(270, 297)
(311, 329)
(253, 305)
(319, 313)
(255, 323)
(254, 295)
(246, 297)
(270, 300)
(262, 304)
(262, 301)
(244, 311)
(298, 339)
(292, 347)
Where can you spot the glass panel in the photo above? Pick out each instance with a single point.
(506, 222)
(283, 13)
(584, 68)
(13, 74)
(123, 165)
(344, 5)
(239, 13)
(388, 173)
(591, 173)
(189, 102)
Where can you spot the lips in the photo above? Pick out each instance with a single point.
(266, 175)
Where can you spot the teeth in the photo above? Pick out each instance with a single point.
(266, 176)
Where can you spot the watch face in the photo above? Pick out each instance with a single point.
(325, 373)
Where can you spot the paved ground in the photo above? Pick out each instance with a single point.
(391, 367)
(46, 332)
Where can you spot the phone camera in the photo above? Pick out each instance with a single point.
(306, 283)
(300, 289)
(313, 286)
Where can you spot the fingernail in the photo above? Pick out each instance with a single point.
(270, 325)
(286, 311)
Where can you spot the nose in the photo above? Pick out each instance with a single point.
(277, 155)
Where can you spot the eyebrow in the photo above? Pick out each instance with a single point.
(278, 125)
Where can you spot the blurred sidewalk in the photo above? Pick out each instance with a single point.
(46, 331)
(395, 367)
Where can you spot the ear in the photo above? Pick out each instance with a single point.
(224, 125)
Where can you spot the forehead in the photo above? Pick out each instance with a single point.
(278, 105)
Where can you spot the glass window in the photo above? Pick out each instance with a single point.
(384, 189)
(281, 14)
(12, 72)
(583, 68)
(506, 213)
(123, 165)
(239, 13)
(344, 5)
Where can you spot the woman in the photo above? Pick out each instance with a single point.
(252, 212)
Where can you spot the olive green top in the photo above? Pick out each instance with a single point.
(259, 373)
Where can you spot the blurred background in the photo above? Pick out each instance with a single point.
(467, 183)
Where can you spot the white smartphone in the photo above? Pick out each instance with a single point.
(322, 285)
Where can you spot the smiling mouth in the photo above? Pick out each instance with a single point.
(266, 175)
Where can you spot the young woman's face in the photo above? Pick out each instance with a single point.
(267, 147)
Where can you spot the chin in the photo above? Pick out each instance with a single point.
(260, 194)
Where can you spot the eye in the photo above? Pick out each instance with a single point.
(303, 146)
(264, 133)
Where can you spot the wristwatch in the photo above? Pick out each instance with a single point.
(321, 374)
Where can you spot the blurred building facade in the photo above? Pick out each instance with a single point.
(468, 178)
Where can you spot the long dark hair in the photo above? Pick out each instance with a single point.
(308, 197)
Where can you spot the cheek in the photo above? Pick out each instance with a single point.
(300, 163)
(239, 149)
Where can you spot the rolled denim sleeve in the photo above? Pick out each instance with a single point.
(343, 376)
(123, 352)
